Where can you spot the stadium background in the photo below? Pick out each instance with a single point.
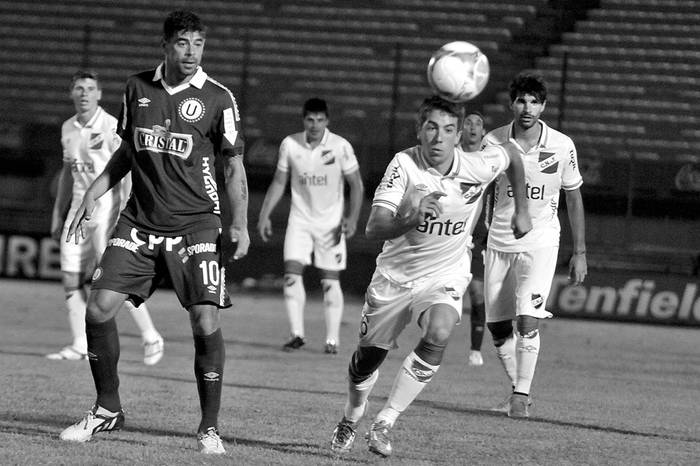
(624, 83)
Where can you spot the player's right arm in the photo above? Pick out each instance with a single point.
(117, 167)
(64, 196)
(521, 223)
(383, 224)
(272, 197)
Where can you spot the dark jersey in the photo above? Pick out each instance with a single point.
(175, 135)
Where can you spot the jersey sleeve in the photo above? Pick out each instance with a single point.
(571, 176)
(484, 166)
(348, 161)
(392, 187)
(283, 157)
(229, 126)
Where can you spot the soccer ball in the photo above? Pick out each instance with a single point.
(458, 71)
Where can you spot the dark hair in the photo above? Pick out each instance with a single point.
(315, 105)
(468, 112)
(181, 20)
(438, 103)
(84, 74)
(528, 83)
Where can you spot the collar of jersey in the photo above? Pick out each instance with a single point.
(454, 170)
(92, 121)
(324, 139)
(544, 136)
(198, 80)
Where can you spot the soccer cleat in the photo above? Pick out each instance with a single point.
(92, 423)
(343, 436)
(504, 405)
(68, 353)
(153, 351)
(331, 348)
(294, 344)
(210, 443)
(378, 439)
(475, 358)
(518, 406)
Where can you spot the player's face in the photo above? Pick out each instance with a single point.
(183, 54)
(526, 110)
(473, 129)
(315, 124)
(85, 94)
(438, 136)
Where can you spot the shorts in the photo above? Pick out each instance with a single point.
(390, 307)
(84, 256)
(134, 263)
(518, 283)
(301, 242)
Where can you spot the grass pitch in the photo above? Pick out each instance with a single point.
(604, 393)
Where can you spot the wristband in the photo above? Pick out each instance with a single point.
(580, 253)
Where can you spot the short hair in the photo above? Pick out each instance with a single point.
(84, 74)
(438, 103)
(468, 112)
(528, 83)
(315, 105)
(181, 20)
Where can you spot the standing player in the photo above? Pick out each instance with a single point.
(519, 271)
(472, 134)
(318, 162)
(175, 121)
(424, 209)
(89, 138)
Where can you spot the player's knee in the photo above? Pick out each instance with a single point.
(419, 369)
(500, 331)
(528, 326)
(364, 362)
(437, 335)
(291, 280)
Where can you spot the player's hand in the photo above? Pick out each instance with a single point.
(349, 228)
(430, 206)
(241, 238)
(578, 268)
(265, 228)
(521, 224)
(83, 214)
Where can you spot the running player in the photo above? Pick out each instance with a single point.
(424, 209)
(175, 122)
(519, 271)
(319, 163)
(89, 138)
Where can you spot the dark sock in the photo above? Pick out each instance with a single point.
(477, 327)
(430, 352)
(209, 355)
(103, 352)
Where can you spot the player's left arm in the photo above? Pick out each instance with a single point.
(237, 191)
(357, 192)
(578, 267)
(521, 222)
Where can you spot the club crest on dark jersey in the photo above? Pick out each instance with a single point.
(96, 140)
(191, 110)
(327, 157)
(548, 162)
(470, 191)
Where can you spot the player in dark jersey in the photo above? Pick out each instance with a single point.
(175, 121)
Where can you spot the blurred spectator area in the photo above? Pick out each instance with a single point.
(623, 76)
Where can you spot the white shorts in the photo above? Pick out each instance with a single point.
(390, 307)
(301, 242)
(84, 256)
(518, 283)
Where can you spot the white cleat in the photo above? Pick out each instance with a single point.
(210, 443)
(68, 353)
(475, 358)
(92, 423)
(153, 351)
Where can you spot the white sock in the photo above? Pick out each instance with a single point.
(295, 300)
(76, 305)
(413, 376)
(526, 354)
(332, 308)
(143, 321)
(358, 394)
(506, 354)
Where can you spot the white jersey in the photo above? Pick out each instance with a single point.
(317, 177)
(88, 149)
(436, 246)
(551, 165)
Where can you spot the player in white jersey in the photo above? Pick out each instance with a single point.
(318, 163)
(519, 271)
(424, 209)
(89, 138)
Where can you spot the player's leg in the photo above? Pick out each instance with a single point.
(298, 246)
(76, 302)
(330, 259)
(153, 344)
(477, 321)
